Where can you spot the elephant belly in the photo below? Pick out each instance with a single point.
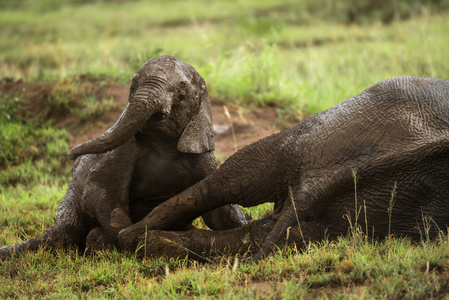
(145, 199)
(142, 206)
(409, 202)
(156, 180)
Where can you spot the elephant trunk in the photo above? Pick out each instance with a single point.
(135, 116)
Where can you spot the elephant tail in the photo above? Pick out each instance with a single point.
(286, 220)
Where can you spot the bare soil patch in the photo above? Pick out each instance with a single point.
(241, 127)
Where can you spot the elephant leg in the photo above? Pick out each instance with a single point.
(106, 197)
(222, 187)
(198, 243)
(306, 232)
(69, 229)
(104, 237)
(290, 213)
(96, 240)
(112, 215)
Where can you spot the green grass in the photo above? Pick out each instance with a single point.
(30, 151)
(391, 269)
(299, 56)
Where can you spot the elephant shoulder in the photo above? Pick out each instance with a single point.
(83, 164)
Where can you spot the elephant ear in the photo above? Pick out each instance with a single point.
(198, 136)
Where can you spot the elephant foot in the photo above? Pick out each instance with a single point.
(199, 244)
(127, 237)
(107, 237)
(196, 244)
(97, 239)
(157, 243)
(120, 219)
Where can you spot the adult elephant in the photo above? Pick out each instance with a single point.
(161, 144)
(387, 147)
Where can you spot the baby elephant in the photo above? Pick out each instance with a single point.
(387, 147)
(161, 145)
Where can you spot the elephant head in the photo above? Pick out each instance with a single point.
(168, 99)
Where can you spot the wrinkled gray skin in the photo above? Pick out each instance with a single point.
(161, 145)
(395, 132)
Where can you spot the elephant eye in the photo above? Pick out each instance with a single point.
(183, 90)
(182, 97)
(158, 117)
(131, 92)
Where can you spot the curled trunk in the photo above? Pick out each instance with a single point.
(130, 122)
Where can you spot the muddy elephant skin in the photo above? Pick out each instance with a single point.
(161, 144)
(393, 138)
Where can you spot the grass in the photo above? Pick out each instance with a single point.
(31, 151)
(292, 55)
(300, 57)
(395, 268)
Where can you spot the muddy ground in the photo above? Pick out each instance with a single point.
(57, 100)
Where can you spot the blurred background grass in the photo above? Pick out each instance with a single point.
(300, 56)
